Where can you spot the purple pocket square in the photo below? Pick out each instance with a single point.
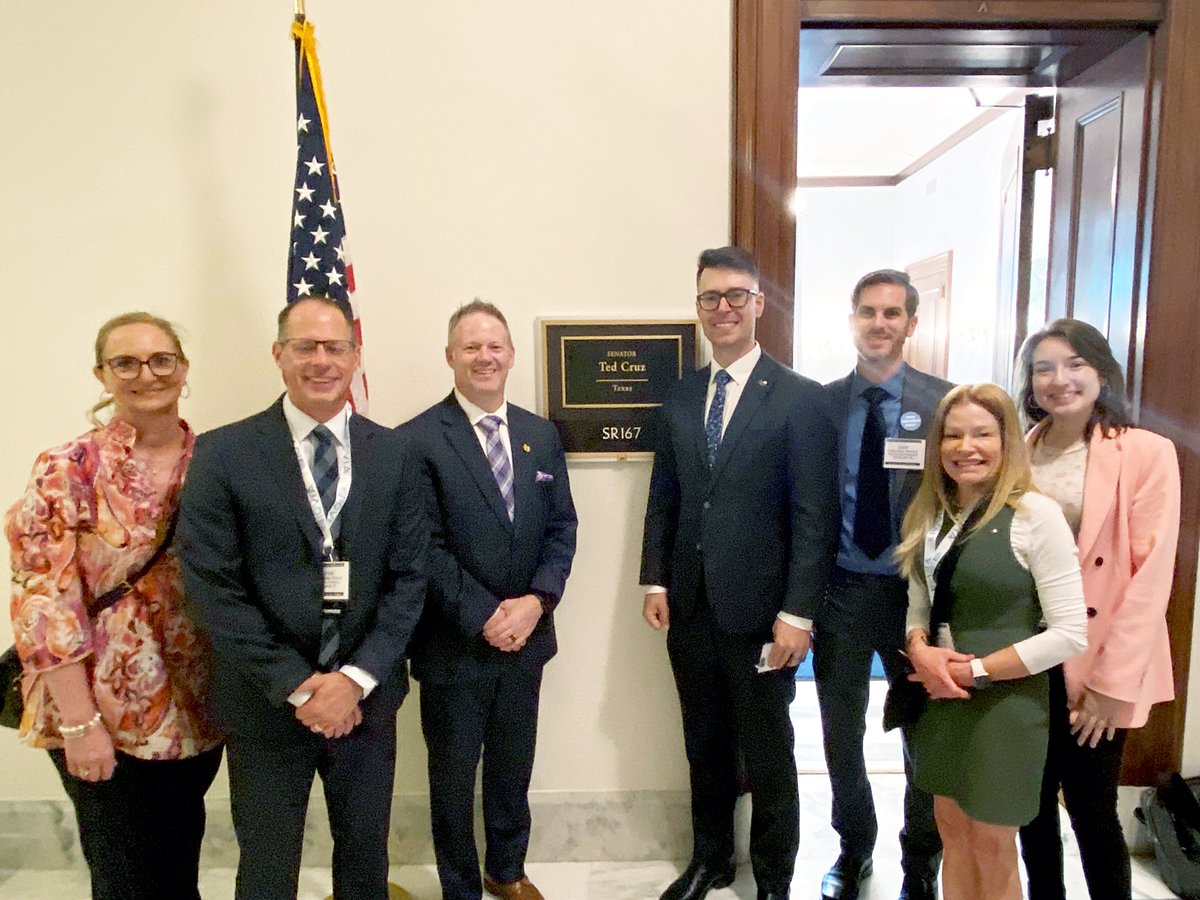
(543, 478)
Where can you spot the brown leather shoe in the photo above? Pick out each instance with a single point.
(522, 889)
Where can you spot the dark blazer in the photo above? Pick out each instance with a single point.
(922, 394)
(477, 557)
(761, 527)
(251, 554)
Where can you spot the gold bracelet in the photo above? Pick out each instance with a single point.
(76, 731)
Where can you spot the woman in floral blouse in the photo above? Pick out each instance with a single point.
(118, 698)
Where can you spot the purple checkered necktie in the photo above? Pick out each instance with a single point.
(497, 458)
(325, 465)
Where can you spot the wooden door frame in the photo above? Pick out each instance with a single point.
(766, 77)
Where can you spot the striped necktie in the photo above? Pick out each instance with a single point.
(497, 458)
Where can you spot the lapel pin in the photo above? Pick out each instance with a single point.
(525, 447)
(762, 382)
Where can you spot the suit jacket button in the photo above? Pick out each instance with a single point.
(1091, 611)
(1099, 560)
(697, 548)
(707, 505)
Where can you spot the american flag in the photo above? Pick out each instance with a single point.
(318, 260)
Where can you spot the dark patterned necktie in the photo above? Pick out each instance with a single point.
(325, 465)
(497, 458)
(325, 474)
(716, 416)
(872, 505)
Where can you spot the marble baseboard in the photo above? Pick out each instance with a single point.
(616, 826)
(567, 827)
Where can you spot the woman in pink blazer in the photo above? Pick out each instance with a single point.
(1119, 488)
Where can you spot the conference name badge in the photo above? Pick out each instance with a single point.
(904, 453)
(336, 577)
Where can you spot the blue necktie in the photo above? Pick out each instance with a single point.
(497, 458)
(325, 465)
(716, 417)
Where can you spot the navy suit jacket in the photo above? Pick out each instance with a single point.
(922, 394)
(760, 528)
(251, 554)
(477, 557)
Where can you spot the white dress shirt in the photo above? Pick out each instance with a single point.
(301, 426)
(476, 414)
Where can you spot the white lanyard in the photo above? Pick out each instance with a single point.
(935, 549)
(324, 522)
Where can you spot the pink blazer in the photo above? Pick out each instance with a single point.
(1127, 543)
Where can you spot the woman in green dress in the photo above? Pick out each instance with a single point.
(995, 600)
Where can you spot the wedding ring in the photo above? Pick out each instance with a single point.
(513, 638)
(84, 773)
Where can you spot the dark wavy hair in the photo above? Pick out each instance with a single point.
(1110, 413)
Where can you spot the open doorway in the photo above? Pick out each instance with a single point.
(936, 152)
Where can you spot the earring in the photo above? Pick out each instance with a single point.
(186, 392)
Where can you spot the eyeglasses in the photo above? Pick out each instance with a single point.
(735, 297)
(306, 348)
(129, 367)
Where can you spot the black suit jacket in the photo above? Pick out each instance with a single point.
(761, 527)
(251, 553)
(922, 394)
(477, 557)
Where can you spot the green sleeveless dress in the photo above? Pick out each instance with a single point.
(988, 752)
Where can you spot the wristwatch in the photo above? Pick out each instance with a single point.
(981, 677)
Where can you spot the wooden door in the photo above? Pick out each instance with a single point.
(929, 347)
(1096, 224)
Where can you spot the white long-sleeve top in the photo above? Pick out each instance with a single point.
(1043, 544)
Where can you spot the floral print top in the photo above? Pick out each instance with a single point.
(89, 518)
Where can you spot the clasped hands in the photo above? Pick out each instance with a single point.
(332, 708)
(945, 674)
(513, 621)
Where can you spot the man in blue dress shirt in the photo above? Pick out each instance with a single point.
(881, 410)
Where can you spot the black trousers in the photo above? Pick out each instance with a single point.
(730, 710)
(141, 830)
(1089, 779)
(865, 615)
(493, 716)
(269, 784)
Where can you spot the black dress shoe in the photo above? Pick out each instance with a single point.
(697, 880)
(919, 887)
(845, 879)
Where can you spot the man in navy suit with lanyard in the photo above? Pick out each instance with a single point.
(881, 410)
(498, 506)
(740, 533)
(302, 551)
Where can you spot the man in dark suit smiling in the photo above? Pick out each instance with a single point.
(502, 523)
(740, 533)
(302, 546)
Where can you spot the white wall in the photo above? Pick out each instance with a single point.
(953, 203)
(556, 158)
(841, 234)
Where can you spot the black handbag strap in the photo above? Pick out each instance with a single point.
(111, 596)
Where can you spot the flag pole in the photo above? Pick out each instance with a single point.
(300, 15)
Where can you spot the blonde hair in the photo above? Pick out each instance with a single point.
(129, 318)
(937, 490)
